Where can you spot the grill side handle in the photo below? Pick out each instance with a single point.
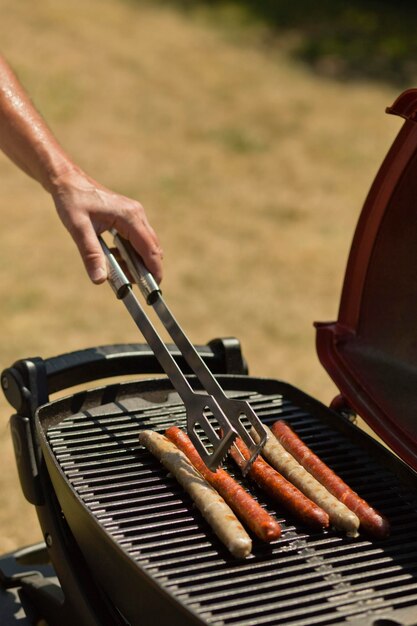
(28, 383)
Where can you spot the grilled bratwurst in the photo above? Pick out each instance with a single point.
(280, 489)
(371, 520)
(240, 501)
(340, 516)
(212, 506)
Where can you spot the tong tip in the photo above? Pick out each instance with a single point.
(217, 458)
(254, 450)
(213, 460)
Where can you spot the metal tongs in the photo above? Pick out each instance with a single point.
(227, 414)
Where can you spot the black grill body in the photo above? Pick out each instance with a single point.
(142, 552)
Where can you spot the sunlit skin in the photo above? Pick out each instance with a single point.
(85, 207)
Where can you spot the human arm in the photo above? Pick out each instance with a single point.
(85, 207)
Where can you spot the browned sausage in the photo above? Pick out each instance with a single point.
(215, 510)
(371, 520)
(277, 487)
(340, 516)
(243, 504)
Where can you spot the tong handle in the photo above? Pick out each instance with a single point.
(142, 276)
(123, 290)
(116, 276)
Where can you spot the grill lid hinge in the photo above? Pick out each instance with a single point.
(343, 408)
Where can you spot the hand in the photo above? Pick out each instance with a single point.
(87, 209)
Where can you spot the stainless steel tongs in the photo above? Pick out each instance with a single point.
(230, 418)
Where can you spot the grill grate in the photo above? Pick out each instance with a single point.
(304, 578)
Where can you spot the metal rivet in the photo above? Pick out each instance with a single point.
(48, 540)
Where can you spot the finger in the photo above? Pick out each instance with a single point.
(154, 254)
(91, 253)
(143, 238)
(149, 249)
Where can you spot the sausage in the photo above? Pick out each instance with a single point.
(371, 520)
(212, 506)
(243, 504)
(340, 516)
(268, 479)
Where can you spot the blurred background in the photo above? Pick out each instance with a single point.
(250, 131)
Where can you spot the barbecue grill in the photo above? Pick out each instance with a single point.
(125, 541)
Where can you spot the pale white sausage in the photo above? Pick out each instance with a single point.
(212, 506)
(340, 516)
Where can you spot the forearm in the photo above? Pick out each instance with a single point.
(85, 207)
(25, 137)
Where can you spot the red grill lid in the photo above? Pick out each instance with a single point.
(371, 350)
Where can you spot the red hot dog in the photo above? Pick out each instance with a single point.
(371, 520)
(240, 501)
(271, 481)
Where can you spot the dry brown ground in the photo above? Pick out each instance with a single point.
(253, 172)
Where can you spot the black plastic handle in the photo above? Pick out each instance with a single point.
(28, 383)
